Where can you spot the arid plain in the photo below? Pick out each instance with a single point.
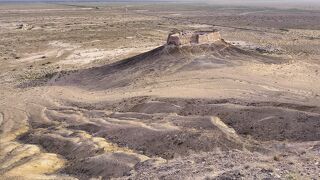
(92, 91)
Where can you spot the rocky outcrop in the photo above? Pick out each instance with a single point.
(25, 26)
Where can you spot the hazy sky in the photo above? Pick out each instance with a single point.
(219, 1)
(235, 2)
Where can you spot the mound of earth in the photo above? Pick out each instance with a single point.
(206, 111)
(163, 61)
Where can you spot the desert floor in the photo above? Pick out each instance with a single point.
(91, 91)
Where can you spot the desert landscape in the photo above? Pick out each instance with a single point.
(159, 91)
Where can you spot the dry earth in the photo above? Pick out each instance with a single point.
(94, 93)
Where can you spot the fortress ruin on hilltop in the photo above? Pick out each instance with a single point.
(193, 37)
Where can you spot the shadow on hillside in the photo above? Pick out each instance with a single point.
(163, 60)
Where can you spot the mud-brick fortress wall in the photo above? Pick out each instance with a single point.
(208, 38)
(189, 37)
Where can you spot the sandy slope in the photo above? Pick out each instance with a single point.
(80, 110)
(130, 117)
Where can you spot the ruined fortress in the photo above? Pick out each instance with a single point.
(182, 38)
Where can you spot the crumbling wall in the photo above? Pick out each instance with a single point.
(208, 38)
(190, 38)
(185, 37)
(174, 39)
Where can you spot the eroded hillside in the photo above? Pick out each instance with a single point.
(89, 93)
